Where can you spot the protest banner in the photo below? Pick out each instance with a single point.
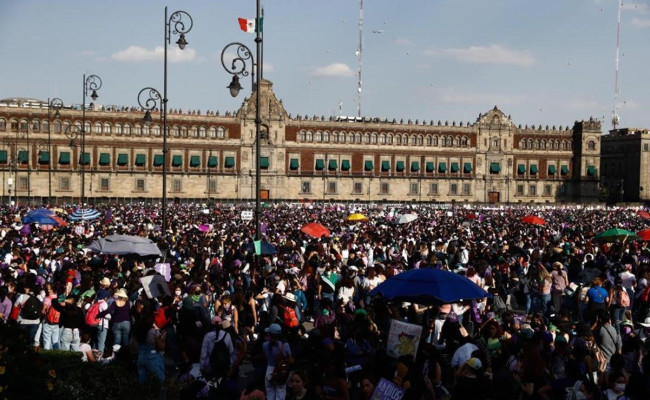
(403, 339)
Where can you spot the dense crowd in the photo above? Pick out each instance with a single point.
(568, 316)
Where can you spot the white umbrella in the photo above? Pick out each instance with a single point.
(406, 218)
(125, 244)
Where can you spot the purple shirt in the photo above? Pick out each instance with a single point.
(5, 308)
(118, 314)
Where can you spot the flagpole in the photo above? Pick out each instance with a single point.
(260, 27)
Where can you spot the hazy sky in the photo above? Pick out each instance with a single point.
(547, 62)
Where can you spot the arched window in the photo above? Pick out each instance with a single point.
(335, 137)
(342, 137)
(382, 138)
(435, 141)
(465, 141)
(373, 138)
(542, 144)
(522, 144)
(202, 131)
(429, 140)
(530, 144)
(455, 141)
(138, 130)
(414, 140)
(23, 125)
(310, 136)
(318, 137)
(127, 129)
(195, 132)
(107, 128)
(420, 141)
(36, 125)
(212, 132)
(326, 137)
(184, 131)
(46, 126)
(176, 131)
(87, 127)
(3, 124)
(301, 136)
(98, 128)
(563, 144)
(357, 137)
(569, 145)
(398, 139)
(389, 138)
(221, 133)
(156, 130)
(118, 129)
(591, 145)
(366, 138)
(146, 130)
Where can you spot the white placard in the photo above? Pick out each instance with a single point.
(403, 339)
(246, 215)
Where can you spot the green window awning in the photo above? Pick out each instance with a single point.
(264, 162)
(104, 158)
(591, 170)
(3, 156)
(564, 170)
(158, 160)
(454, 167)
(177, 160)
(64, 157)
(430, 166)
(43, 157)
(467, 167)
(345, 165)
(368, 165)
(442, 167)
(415, 166)
(521, 169)
(332, 165)
(84, 159)
(122, 159)
(399, 166)
(533, 169)
(195, 161)
(230, 162)
(141, 160)
(385, 165)
(294, 164)
(320, 164)
(23, 156)
(495, 167)
(551, 169)
(213, 161)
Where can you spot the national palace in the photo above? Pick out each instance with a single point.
(211, 157)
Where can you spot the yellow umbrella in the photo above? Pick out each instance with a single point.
(357, 217)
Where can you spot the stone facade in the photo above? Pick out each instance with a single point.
(212, 157)
(625, 165)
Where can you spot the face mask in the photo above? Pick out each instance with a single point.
(627, 330)
(196, 297)
(177, 293)
(619, 387)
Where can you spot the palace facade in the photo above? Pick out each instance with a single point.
(211, 157)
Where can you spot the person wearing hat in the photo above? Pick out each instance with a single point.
(120, 315)
(277, 353)
(471, 381)
(71, 320)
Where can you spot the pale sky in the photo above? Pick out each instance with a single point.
(547, 62)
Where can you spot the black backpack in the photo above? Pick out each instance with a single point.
(219, 359)
(32, 308)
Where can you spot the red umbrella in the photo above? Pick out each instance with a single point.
(644, 235)
(315, 229)
(643, 214)
(533, 219)
(471, 216)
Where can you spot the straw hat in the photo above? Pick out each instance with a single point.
(121, 293)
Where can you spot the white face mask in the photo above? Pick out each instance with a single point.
(619, 387)
(177, 293)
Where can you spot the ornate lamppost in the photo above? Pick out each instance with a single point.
(53, 105)
(182, 23)
(90, 83)
(75, 132)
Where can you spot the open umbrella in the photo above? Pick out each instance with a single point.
(643, 214)
(406, 218)
(266, 248)
(644, 235)
(357, 217)
(614, 234)
(471, 216)
(429, 286)
(43, 216)
(87, 214)
(315, 229)
(533, 219)
(125, 244)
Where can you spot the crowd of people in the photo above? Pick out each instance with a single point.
(567, 317)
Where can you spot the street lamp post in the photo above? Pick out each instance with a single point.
(56, 104)
(90, 83)
(74, 132)
(237, 68)
(40, 145)
(182, 23)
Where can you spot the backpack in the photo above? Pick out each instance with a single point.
(219, 358)
(91, 318)
(289, 317)
(51, 315)
(31, 309)
(498, 305)
(622, 298)
(645, 295)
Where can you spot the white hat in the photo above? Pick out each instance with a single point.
(290, 297)
(645, 323)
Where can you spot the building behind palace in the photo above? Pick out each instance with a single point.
(211, 157)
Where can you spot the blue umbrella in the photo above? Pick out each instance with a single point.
(42, 216)
(429, 286)
(84, 215)
(267, 248)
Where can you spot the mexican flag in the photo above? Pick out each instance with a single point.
(248, 25)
